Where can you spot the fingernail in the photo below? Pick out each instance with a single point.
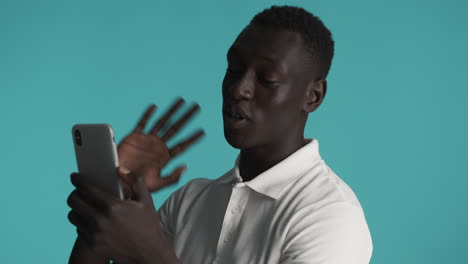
(124, 170)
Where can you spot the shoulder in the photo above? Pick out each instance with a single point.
(337, 233)
(182, 200)
(321, 195)
(191, 190)
(320, 186)
(325, 217)
(197, 186)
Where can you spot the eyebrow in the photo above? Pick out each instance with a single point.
(269, 59)
(233, 50)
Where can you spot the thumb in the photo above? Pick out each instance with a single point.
(124, 174)
(125, 177)
(171, 179)
(140, 191)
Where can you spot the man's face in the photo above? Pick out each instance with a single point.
(264, 87)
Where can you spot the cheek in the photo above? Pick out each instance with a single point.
(269, 122)
(279, 116)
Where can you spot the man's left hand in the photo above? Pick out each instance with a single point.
(123, 230)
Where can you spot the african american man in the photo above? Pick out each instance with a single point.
(280, 203)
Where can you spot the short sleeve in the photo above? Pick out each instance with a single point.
(170, 210)
(334, 234)
(168, 213)
(166, 216)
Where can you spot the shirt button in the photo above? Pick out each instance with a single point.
(226, 239)
(235, 210)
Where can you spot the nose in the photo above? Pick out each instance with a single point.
(243, 88)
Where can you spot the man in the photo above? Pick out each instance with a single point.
(279, 204)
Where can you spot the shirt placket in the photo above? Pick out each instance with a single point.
(232, 217)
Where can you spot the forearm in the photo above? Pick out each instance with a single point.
(81, 253)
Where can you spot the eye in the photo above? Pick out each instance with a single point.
(268, 81)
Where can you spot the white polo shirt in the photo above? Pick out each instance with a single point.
(298, 212)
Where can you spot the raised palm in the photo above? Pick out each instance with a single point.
(148, 153)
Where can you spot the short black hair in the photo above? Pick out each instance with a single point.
(317, 38)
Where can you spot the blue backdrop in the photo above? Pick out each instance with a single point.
(393, 124)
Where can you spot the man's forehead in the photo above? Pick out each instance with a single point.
(263, 54)
(267, 37)
(276, 46)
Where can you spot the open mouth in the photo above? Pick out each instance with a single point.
(234, 116)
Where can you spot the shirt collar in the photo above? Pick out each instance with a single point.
(273, 181)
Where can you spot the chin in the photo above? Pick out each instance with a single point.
(236, 140)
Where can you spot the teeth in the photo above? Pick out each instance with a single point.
(236, 116)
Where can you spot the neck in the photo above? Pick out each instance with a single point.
(256, 160)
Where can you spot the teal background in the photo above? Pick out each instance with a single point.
(392, 126)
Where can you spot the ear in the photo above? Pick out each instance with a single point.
(314, 95)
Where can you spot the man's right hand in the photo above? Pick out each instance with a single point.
(149, 151)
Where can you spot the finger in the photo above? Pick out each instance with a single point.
(80, 207)
(144, 118)
(182, 146)
(97, 197)
(76, 179)
(180, 123)
(126, 181)
(173, 178)
(122, 170)
(127, 190)
(78, 221)
(140, 191)
(162, 122)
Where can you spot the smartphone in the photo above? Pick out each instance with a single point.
(96, 157)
